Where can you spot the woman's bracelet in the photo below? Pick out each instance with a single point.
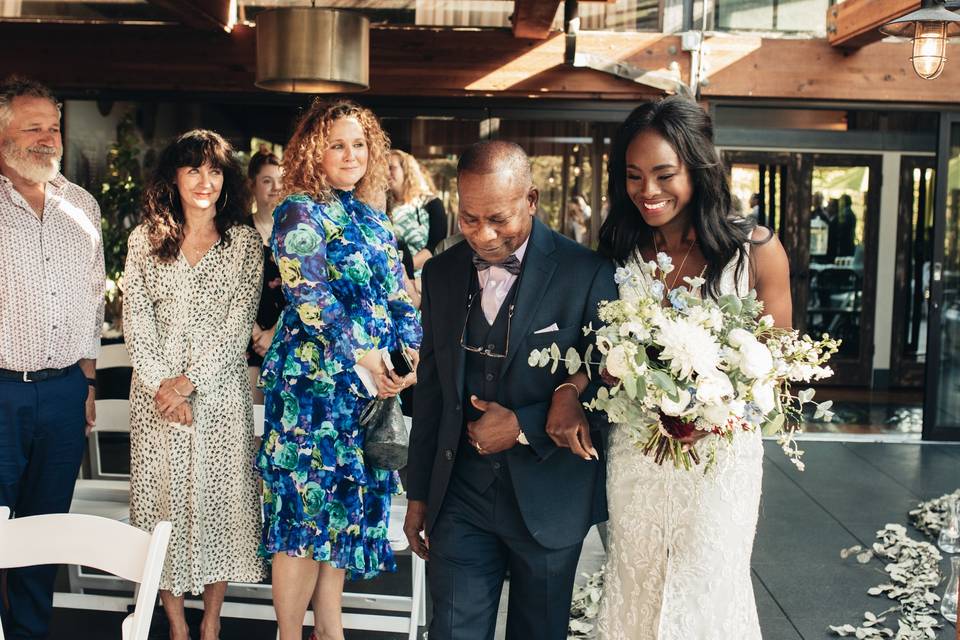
(177, 391)
(568, 384)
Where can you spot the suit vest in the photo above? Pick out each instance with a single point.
(482, 379)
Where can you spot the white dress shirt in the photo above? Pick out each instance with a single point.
(51, 278)
(496, 282)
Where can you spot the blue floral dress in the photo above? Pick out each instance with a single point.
(341, 277)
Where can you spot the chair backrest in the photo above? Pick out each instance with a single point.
(113, 355)
(101, 543)
(259, 416)
(113, 416)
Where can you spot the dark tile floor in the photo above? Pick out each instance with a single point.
(848, 491)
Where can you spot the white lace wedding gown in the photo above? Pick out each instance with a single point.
(678, 555)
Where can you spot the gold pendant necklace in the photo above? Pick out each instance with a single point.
(682, 262)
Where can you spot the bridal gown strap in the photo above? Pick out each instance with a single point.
(678, 563)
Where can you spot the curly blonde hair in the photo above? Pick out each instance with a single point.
(302, 170)
(416, 182)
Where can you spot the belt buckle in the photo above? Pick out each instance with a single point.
(26, 376)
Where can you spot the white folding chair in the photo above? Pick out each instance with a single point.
(107, 545)
(113, 416)
(113, 355)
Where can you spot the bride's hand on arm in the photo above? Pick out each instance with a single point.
(567, 423)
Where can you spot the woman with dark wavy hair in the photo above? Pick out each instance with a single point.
(680, 541)
(191, 286)
(325, 509)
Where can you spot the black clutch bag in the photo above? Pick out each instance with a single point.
(387, 438)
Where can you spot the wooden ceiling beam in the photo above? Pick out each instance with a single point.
(533, 18)
(206, 15)
(425, 62)
(856, 23)
(781, 68)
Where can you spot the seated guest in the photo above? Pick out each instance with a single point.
(191, 286)
(326, 511)
(51, 311)
(265, 178)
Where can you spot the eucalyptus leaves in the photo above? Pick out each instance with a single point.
(913, 572)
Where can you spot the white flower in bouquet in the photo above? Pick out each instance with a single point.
(617, 363)
(688, 347)
(708, 317)
(755, 360)
(764, 395)
(676, 407)
(714, 388)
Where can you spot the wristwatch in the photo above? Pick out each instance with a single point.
(522, 438)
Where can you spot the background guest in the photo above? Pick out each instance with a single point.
(191, 286)
(417, 214)
(51, 310)
(325, 511)
(265, 178)
(578, 220)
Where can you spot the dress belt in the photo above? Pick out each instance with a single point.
(33, 376)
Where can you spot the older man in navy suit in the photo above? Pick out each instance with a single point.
(506, 472)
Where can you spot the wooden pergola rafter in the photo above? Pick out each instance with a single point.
(533, 18)
(206, 15)
(856, 23)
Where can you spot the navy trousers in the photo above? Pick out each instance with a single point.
(41, 446)
(478, 537)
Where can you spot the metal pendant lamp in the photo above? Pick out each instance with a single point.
(929, 28)
(310, 50)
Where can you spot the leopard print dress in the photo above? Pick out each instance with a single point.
(195, 320)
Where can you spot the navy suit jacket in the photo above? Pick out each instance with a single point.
(560, 495)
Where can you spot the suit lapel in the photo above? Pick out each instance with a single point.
(459, 295)
(538, 269)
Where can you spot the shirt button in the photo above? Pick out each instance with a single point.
(458, 407)
(491, 346)
(448, 454)
(489, 377)
(496, 466)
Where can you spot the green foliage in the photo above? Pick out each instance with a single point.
(119, 195)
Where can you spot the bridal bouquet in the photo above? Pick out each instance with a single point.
(717, 366)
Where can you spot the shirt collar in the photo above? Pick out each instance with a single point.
(58, 182)
(522, 249)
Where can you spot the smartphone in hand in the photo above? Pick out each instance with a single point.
(399, 361)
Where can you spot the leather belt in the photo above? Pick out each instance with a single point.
(33, 376)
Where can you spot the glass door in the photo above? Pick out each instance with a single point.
(912, 274)
(837, 295)
(764, 186)
(942, 403)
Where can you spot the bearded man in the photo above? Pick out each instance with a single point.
(51, 312)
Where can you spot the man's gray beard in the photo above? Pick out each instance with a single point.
(26, 167)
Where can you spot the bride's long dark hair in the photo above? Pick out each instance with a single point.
(689, 130)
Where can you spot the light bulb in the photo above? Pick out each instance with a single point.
(929, 49)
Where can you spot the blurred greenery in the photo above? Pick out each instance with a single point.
(120, 195)
(119, 199)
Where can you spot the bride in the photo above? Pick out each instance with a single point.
(678, 554)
